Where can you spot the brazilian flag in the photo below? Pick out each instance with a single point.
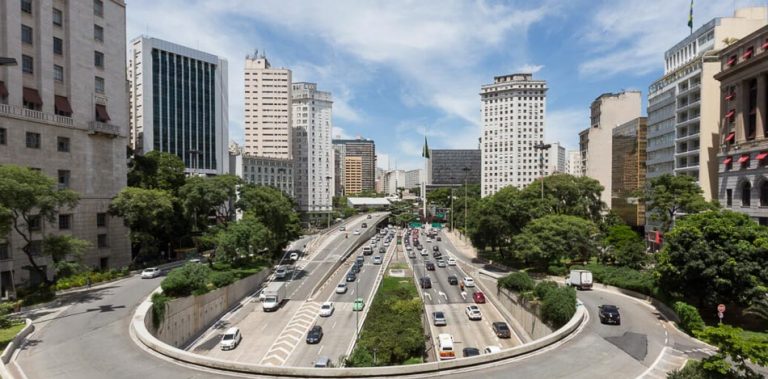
(425, 152)
(690, 17)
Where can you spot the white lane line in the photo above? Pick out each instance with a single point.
(321, 349)
(334, 324)
(428, 295)
(654, 363)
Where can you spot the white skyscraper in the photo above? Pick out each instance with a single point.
(312, 148)
(267, 109)
(558, 161)
(513, 113)
(574, 163)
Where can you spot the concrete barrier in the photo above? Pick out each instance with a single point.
(18, 340)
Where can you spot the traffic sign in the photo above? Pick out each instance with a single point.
(721, 308)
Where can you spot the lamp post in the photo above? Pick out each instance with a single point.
(541, 147)
(357, 314)
(328, 191)
(451, 224)
(466, 176)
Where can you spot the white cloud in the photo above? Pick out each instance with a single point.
(529, 68)
(339, 133)
(564, 125)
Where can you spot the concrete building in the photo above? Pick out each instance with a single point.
(513, 113)
(312, 150)
(558, 160)
(574, 163)
(379, 180)
(262, 171)
(358, 147)
(683, 104)
(267, 109)
(607, 112)
(353, 175)
(178, 104)
(453, 167)
(413, 178)
(628, 171)
(392, 180)
(743, 140)
(64, 112)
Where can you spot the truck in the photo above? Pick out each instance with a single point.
(274, 295)
(581, 279)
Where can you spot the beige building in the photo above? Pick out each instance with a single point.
(64, 111)
(607, 112)
(628, 171)
(267, 109)
(353, 175)
(574, 163)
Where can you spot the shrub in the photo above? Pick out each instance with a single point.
(623, 277)
(543, 288)
(37, 295)
(558, 306)
(517, 281)
(183, 281)
(557, 270)
(159, 302)
(690, 319)
(223, 279)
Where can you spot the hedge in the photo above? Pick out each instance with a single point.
(690, 319)
(639, 281)
(81, 279)
(558, 306)
(517, 281)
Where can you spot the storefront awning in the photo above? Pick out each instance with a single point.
(32, 96)
(744, 158)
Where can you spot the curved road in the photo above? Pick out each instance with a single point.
(88, 338)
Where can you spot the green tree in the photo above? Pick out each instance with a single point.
(668, 196)
(625, 247)
(66, 252)
(548, 239)
(440, 197)
(273, 209)
(734, 352)
(27, 198)
(759, 307)
(149, 214)
(713, 257)
(156, 170)
(568, 195)
(204, 196)
(240, 238)
(192, 278)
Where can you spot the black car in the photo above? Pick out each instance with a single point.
(437, 254)
(351, 277)
(430, 265)
(470, 352)
(425, 282)
(609, 314)
(382, 250)
(364, 225)
(453, 280)
(435, 248)
(315, 334)
(438, 239)
(501, 329)
(355, 269)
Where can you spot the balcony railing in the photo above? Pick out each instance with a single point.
(103, 128)
(32, 115)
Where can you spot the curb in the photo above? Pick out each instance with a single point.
(18, 341)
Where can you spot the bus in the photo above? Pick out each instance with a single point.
(445, 347)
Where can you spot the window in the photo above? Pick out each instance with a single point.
(764, 193)
(58, 73)
(98, 33)
(98, 59)
(26, 34)
(99, 83)
(58, 17)
(64, 178)
(27, 64)
(3, 136)
(62, 144)
(746, 190)
(101, 241)
(65, 222)
(26, 6)
(34, 223)
(4, 251)
(101, 220)
(36, 247)
(58, 46)
(98, 8)
(33, 140)
(751, 111)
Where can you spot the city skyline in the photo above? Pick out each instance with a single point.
(394, 77)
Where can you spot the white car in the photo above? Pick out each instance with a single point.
(151, 272)
(294, 256)
(424, 252)
(341, 288)
(377, 260)
(326, 309)
(357, 232)
(429, 240)
(230, 339)
(386, 243)
(451, 262)
(473, 312)
(281, 272)
(491, 349)
(468, 282)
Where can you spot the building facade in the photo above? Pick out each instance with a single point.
(313, 153)
(513, 113)
(267, 109)
(629, 171)
(353, 175)
(363, 148)
(262, 171)
(453, 166)
(743, 141)
(558, 160)
(392, 180)
(178, 104)
(574, 163)
(413, 178)
(64, 112)
(607, 112)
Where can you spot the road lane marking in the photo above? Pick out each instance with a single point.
(441, 293)
(334, 324)
(428, 295)
(321, 349)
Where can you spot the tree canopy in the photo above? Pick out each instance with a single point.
(203, 196)
(548, 239)
(149, 213)
(274, 210)
(156, 170)
(668, 196)
(567, 195)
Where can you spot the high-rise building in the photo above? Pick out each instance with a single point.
(353, 175)
(313, 153)
(628, 172)
(358, 147)
(413, 179)
(513, 114)
(392, 180)
(743, 139)
(608, 111)
(574, 163)
(64, 112)
(453, 167)
(263, 171)
(558, 161)
(267, 109)
(178, 104)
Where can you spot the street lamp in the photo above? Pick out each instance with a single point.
(357, 314)
(466, 175)
(452, 179)
(5, 61)
(328, 191)
(541, 147)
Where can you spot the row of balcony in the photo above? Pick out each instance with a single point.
(94, 127)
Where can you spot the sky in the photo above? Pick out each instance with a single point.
(400, 70)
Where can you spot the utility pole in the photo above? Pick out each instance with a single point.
(541, 147)
(466, 176)
(328, 191)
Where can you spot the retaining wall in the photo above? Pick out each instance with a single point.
(524, 312)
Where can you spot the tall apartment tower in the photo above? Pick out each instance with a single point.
(607, 112)
(513, 113)
(64, 112)
(358, 147)
(312, 151)
(267, 109)
(683, 105)
(574, 163)
(353, 175)
(558, 161)
(629, 171)
(178, 104)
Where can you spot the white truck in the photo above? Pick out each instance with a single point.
(581, 279)
(274, 295)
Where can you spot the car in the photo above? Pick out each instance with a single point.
(368, 217)
(351, 276)
(383, 231)
(438, 239)
(470, 352)
(364, 225)
(609, 314)
(281, 272)
(429, 265)
(501, 329)
(315, 334)
(342, 228)
(357, 232)
(478, 297)
(425, 282)
(438, 318)
(453, 280)
(411, 254)
(435, 248)
(341, 288)
(440, 263)
(451, 262)
(468, 282)
(323, 362)
(429, 240)
(386, 243)
(424, 252)
(195, 260)
(294, 256)
(360, 260)
(326, 309)
(377, 260)
(355, 269)
(231, 338)
(151, 272)
(473, 312)
(408, 248)
(491, 349)
(358, 305)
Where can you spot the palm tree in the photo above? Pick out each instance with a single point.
(759, 308)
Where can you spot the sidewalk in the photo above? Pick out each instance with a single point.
(462, 243)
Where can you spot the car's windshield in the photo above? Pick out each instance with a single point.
(229, 337)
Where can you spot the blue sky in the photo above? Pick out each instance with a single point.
(399, 68)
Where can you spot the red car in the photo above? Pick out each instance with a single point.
(479, 297)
